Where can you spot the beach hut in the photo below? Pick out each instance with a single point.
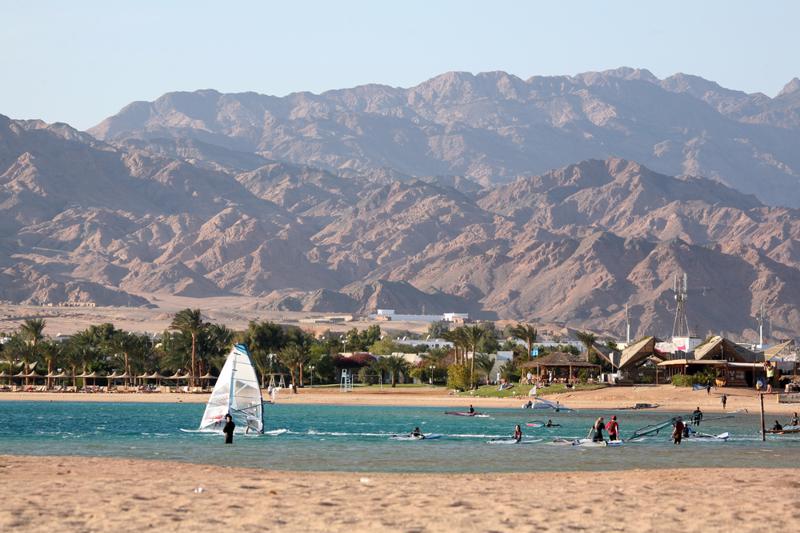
(638, 361)
(560, 361)
(5, 377)
(206, 378)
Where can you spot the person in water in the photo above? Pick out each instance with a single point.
(550, 424)
(517, 433)
(228, 429)
(471, 410)
(417, 433)
(613, 428)
(777, 426)
(795, 421)
(599, 426)
(697, 416)
(677, 432)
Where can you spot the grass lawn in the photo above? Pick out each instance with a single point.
(490, 391)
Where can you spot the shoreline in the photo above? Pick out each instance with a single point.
(100, 494)
(667, 397)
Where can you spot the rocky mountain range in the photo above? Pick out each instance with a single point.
(440, 198)
(494, 127)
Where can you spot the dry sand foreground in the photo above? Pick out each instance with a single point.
(94, 494)
(668, 398)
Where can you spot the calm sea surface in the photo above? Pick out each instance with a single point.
(356, 438)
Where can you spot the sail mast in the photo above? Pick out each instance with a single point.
(230, 389)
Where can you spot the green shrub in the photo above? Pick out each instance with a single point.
(701, 378)
(458, 377)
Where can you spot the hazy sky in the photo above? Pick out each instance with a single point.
(80, 61)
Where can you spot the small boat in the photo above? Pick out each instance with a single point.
(787, 430)
(638, 406)
(474, 414)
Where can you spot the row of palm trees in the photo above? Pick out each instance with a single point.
(205, 344)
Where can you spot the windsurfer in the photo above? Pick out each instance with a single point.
(228, 429)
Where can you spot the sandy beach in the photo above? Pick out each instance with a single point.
(667, 397)
(98, 494)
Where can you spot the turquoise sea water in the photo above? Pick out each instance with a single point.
(356, 438)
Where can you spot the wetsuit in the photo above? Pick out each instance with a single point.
(228, 430)
(598, 433)
(697, 416)
(518, 435)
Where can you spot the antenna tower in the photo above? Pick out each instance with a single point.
(761, 318)
(627, 326)
(680, 327)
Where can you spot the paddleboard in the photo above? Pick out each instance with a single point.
(429, 436)
(510, 440)
(460, 413)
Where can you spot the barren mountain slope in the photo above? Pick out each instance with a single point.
(494, 127)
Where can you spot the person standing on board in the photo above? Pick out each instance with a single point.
(724, 400)
(697, 416)
(677, 432)
(598, 427)
(228, 429)
(613, 428)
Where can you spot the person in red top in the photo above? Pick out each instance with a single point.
(677, 433)
(613, 428)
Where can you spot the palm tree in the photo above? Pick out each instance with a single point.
(473, 336)
(52, 352)
(263, 339)
(395, 364)
(527, 333)
(293, 357)
(588, 339)
(485, 362)
(32, 331)
(190, 322)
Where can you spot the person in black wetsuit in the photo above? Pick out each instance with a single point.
(599, 426)
(697, 416)
(471, 410)
(777, 426)
(417, 433)
(228, 429)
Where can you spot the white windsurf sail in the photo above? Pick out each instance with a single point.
(237, 392)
